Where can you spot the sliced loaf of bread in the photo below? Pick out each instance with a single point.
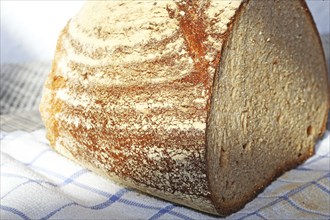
(202, 103)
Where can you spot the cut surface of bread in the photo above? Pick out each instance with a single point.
(268, 106)
(202, 103)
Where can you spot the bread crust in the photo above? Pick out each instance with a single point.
(179, 131)
(52, 106)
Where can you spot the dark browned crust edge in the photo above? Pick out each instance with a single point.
(222, 210)
(230, 207)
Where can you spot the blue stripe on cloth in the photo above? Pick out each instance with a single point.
(83, 186)
(24, 177)
(310, 182)
(73, 177)
(296, 206)
(57, 210)
(38, 156)
(14, 211)
(103, 205)
(111, 200)
(65, 182)
(162, 211)
(260, 216)
(22, 184)
(99, 192)
(114, 198)
(105, 194)
(317, 158)
(281, 198)
(136, 204)
(180, 215)
(310, 169)
(321, 187)
(295, 181)
(140, 205)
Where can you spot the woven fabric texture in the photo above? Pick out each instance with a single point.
(21, 86)
(23, 120)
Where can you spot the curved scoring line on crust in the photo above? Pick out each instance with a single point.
(100, 76)
(118, 64)
(103, 52)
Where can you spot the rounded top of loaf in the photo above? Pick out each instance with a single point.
(127, 43)
(130, 43)
(130, 21)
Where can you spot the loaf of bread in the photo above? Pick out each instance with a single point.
(199, 102)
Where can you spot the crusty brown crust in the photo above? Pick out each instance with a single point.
(168, 118)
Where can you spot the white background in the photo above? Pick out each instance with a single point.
(29, 29)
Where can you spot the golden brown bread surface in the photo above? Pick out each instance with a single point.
(202, 103)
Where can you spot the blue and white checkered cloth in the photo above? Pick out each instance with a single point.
(38, 183)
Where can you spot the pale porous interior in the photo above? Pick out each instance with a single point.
(269, 100)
